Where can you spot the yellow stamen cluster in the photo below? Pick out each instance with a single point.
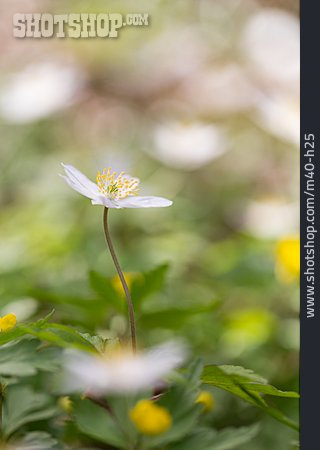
(7, 322)
(116, 186)
(149, 418)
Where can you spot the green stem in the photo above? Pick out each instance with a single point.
(123, 281)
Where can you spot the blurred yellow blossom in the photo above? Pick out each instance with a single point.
(149, 418)
(288, 258)
(206, 399)
(65, 403)
(247, 328)
(116, 283)
(8, 322)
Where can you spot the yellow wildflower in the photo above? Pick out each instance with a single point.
(8, 322)
(149, 418)
(288, 259)
(116, 283)
(206, 399)
(65, 403)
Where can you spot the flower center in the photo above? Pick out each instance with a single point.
(116, 186)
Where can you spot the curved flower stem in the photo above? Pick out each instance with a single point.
(123, 281)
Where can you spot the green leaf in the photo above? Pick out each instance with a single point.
(208, 439)
(77, 308)
(97, 341)
(24, 358)
(36, 440)
(180, 401)
(194, 373)
(105, 290)
(12, 335)
(148, 283)
(22, 405)
(46, 318)
(96, 422)
(182, 423)
(231, 438)
(60, 335)
(172, 318)
(247, 385)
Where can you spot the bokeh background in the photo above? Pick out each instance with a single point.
(202, 106)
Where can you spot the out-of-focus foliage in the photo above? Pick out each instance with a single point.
(172, 419)
(202, 106)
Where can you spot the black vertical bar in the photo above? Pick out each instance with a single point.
(310, 229)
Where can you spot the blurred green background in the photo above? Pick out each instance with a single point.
(202, 106)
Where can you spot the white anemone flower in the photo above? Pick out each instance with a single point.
(121, 371)
(111, 190)
(271, 218)
(280, 115)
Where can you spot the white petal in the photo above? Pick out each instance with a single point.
(166, 357)
(79, 182)
(144, 202)
(122, 373)
(83, 372)
(77, 187)
(105, 201)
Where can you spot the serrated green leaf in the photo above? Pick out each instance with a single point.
(97, 341)
(247, 385)
(180, 401)
(36, 440)
(60, 335)
(22, 358)
(243, 374)
(22, 405)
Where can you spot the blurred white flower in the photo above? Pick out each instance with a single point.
(219, 89)
(111, 190)
(271, 42)
(271, 218)
(187, 146)
(121, 371)
(280, 115)
(38, 91)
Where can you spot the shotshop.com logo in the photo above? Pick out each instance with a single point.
(74, 25)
